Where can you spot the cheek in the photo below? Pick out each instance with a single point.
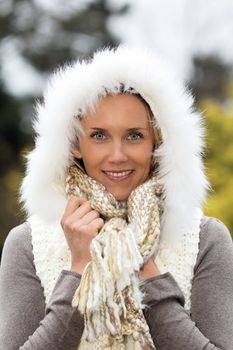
(92, 157)
(89, 161)
(144, 160)
(144, 155)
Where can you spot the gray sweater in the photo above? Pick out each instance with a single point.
(27, 324)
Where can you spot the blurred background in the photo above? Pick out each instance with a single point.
(38, 35)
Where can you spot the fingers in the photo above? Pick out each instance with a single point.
(81, 211)
(86, 218)
(93, 228)
(80, 224)
(97, 224)
(73, 203)
(76, 208)
(79, 214)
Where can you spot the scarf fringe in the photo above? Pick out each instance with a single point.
(108, 295)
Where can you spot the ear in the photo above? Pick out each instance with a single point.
(77, 153)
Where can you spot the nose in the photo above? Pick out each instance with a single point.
(117, 153)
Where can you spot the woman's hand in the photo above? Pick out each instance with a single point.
(149, 269)
(80, 224)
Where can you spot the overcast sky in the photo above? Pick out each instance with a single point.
(178, 29)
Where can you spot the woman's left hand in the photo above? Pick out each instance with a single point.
(149, 269)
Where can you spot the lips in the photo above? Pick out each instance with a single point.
(118, 175)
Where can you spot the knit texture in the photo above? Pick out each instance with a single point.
(109, 295)
(51, 255)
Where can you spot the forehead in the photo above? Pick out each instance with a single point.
(112, 110)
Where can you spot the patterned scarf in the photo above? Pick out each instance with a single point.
(108, 295)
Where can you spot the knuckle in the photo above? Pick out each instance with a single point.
(69, 225)
(95, 213)
(96, 225)
(76, 227)
(85, 230)
(88, 206)
(81, 201)
(77, 199)
(64, 222)
(101, 221)
(74, 202)
(72, 198)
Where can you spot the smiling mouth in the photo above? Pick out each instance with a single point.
(118, 175)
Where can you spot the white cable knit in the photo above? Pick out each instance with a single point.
(179, 258)
(52, 255)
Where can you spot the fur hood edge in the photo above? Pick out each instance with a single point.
(76, 87)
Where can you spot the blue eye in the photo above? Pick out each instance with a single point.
(98, 135)
(134, 136)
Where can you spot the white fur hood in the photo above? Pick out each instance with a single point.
(76, 87)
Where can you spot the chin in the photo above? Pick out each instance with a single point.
(120, 196)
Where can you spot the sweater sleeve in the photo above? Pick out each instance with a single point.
(210, 325)
(25, 322)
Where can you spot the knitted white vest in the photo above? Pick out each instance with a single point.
(52, 255)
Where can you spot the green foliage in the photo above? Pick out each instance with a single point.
(219, 157)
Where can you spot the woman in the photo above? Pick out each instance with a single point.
(116, 253)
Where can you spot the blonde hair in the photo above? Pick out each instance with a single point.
(152, 119)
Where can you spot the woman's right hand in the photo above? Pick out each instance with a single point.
(80, 224)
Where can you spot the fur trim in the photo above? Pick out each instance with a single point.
(75, 88)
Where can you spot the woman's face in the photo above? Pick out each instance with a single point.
(116, 147)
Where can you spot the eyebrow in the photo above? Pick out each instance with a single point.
(130, 129)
